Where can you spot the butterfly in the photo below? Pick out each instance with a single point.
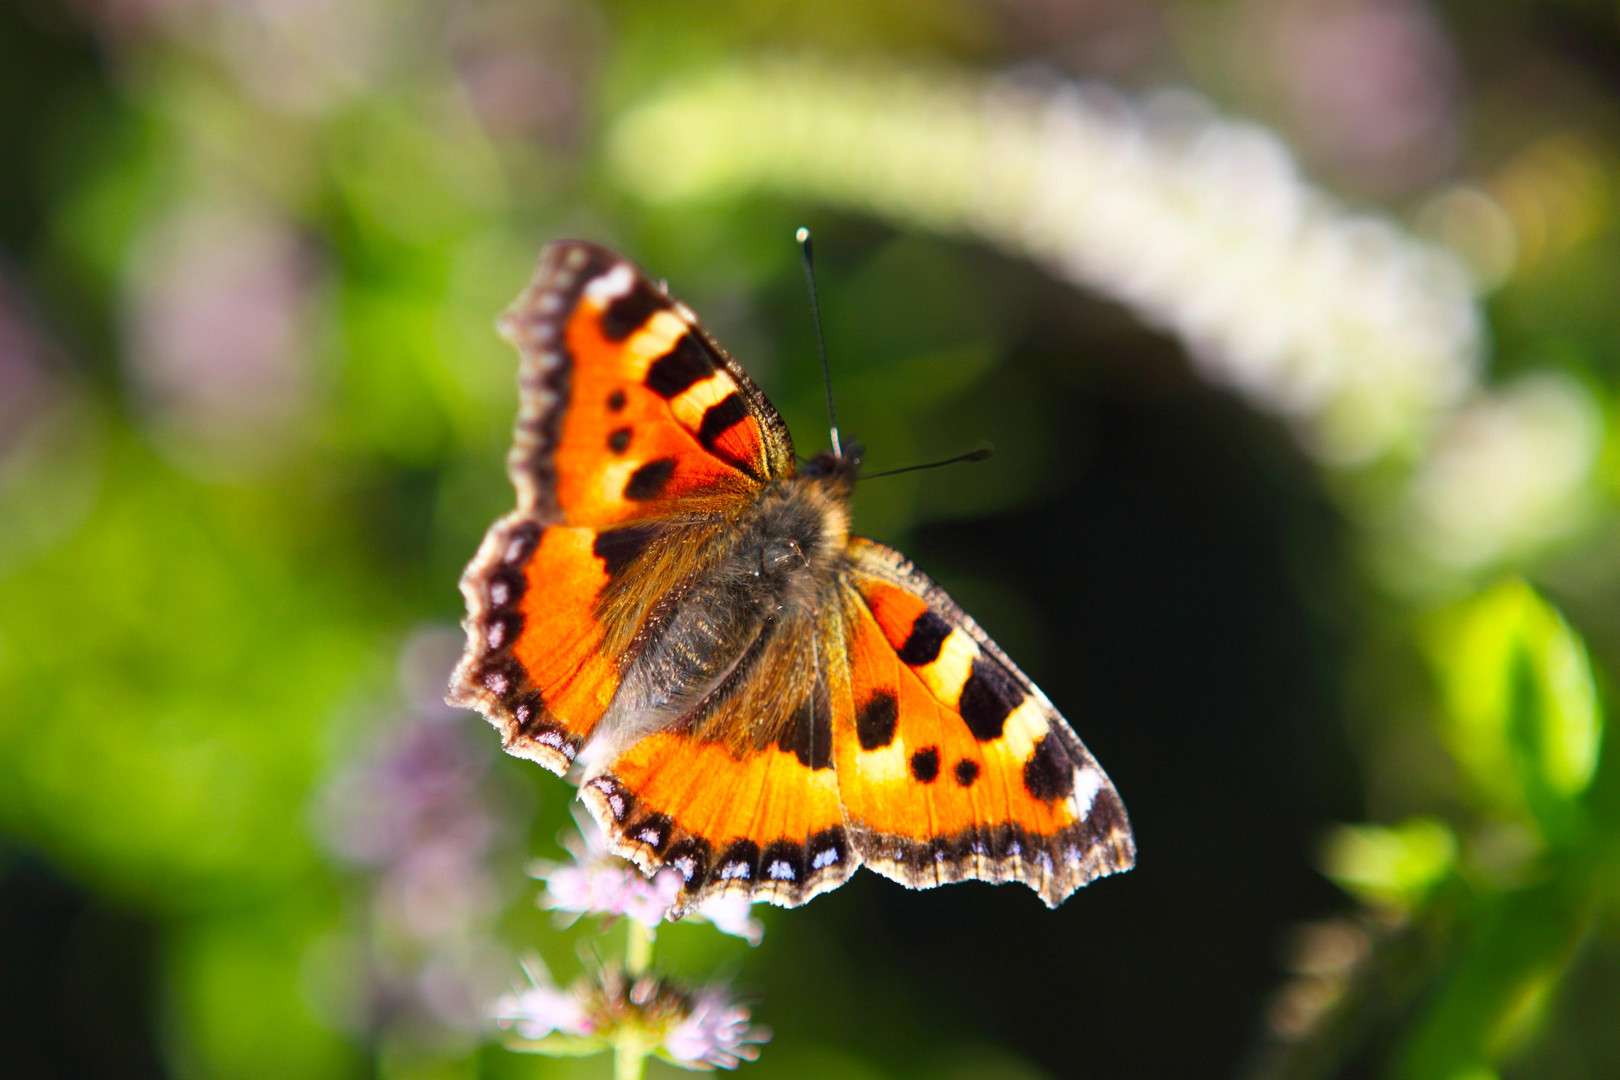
(749, 693)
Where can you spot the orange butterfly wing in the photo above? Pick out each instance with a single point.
(869, 719)
(951, 764)
(765, 824)
(923, 752)
(632, 424)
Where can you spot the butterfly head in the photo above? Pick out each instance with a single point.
(837, 469)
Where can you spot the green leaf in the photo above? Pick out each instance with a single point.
(1497, 994)
(1521, 711)
(1390, 867)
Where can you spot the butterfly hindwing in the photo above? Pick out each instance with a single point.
(761, 824)
(951, 764)
(635, 434)
(739, 795)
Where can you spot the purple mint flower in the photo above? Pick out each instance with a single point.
(542, 1008)
(730, 915)
(598, 882)
(715, 1034)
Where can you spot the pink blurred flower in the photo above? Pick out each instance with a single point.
(732, 915)
(221, 306)
(598, 882)
(542, 1008)
(417, 816)
(526, 67)
(26, 359)
(1374, 88)
(715, 1034)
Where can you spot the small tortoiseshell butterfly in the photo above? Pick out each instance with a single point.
(761, 699)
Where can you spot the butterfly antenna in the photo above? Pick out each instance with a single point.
(803, 236)
(981, 454)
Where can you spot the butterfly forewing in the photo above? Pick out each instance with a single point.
(635, 434)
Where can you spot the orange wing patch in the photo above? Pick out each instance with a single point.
(629, 414)
(535, 664)
(629, 410)
(950, 764)
(765, 824)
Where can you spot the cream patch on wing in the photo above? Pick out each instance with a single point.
(615, 477)
(1026, 725)
(886, 764)
(948, 672)
(656, 337)
(690, 404)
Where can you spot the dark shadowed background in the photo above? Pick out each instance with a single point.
(1292, 321)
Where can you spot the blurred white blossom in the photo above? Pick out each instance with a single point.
(633, 1015)
(1354, 331)
(1509, 473)
(732, 915)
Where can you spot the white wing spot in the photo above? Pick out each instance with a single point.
(780, 870)
(734, 871)
(1087, 782)
(603, 290)
(824, 858)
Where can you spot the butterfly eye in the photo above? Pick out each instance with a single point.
(780, 556)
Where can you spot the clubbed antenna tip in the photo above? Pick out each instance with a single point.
(803, 236)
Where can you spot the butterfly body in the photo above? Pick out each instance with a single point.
(752, 695)
(717, 638)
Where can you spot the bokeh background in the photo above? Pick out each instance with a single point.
(1294, 323)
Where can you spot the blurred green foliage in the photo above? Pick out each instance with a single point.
(253, 416)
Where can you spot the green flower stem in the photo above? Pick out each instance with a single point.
(638, 944)
(629, 1059)
(630, 1048)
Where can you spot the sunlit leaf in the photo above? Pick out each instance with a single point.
(1390, 867)
(1521, 711)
